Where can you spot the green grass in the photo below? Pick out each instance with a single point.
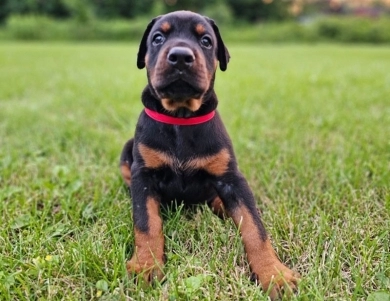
(311, 129)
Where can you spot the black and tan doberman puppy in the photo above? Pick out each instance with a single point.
(181, 150)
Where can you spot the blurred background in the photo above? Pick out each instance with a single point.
(366, 21)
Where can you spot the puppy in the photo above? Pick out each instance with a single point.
(181, 150)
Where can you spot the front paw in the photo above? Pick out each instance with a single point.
(277, 280)
(150, 269)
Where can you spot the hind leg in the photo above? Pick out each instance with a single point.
(126, 160)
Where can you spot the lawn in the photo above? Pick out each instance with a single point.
(311, 129)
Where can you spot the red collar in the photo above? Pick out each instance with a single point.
(179, 121)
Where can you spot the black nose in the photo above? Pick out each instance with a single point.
(181, 57)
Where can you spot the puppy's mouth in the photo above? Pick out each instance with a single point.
(179, 90)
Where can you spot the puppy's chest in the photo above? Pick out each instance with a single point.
(215, 163)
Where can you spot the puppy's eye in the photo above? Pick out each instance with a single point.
(158, 39)
(205, 41)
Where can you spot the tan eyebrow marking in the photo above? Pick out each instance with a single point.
(165, 27)
(200, 29)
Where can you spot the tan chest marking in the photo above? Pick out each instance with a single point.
(216, 164)
(154, 158)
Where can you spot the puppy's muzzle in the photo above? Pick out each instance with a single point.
(181, 58)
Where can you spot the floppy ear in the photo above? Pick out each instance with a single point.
(142, 46)
(222, 52)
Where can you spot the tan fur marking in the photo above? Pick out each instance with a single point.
(192, 104)
(200, 29)
(201, 66)
(263, 261)
(215, 164)
(169, 104)
(165, 27)
(149, 246)
(218, 208)
(146, 59)
(126, 173)
(154, 158)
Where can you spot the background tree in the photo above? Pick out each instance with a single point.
(249, 10)
(122, 8)
(56, 8)
(257, 10)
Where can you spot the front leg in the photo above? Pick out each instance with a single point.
(148, 256)
(265, 265)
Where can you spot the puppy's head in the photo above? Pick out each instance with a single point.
(181, 51)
